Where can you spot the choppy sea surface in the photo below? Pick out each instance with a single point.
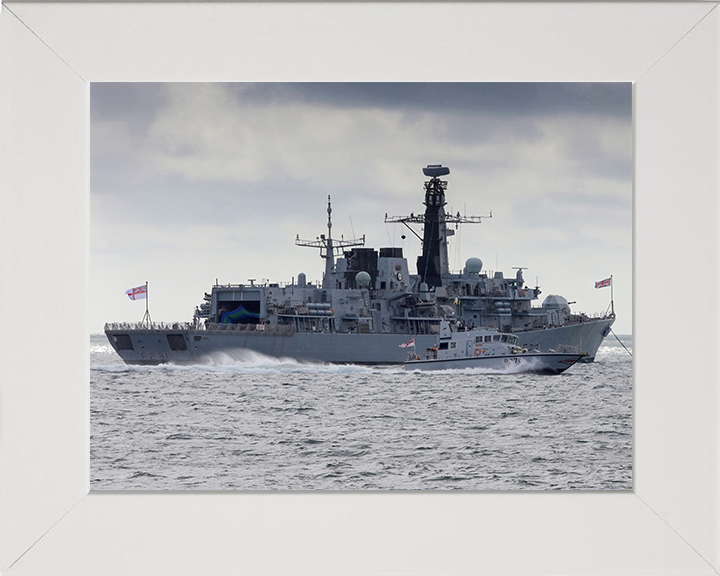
(270, 424)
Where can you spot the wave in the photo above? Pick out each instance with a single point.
(613, 354)
(101, 349)
(250, 363)
(526, 365)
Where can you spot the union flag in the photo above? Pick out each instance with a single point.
(603, 283)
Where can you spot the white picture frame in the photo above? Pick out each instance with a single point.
(51, 523)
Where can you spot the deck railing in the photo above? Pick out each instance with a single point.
(132, 326)
(210, 327)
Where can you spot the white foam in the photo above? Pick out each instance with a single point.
(251, 361)
(525, 365)
(247, 362)
(101, 349)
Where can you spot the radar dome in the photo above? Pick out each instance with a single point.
(302, 279)
(473, 265)
(362, 279)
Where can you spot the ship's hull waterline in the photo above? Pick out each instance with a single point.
(152, 346)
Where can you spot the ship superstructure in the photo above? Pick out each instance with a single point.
(367, 305)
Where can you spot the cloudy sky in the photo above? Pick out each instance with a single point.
(196, 182)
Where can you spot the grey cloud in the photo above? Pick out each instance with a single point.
(589, 156)
(139, 101)
(135, 103)
(578, 213)
(481, 98)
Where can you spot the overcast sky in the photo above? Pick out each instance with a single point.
(196, 182)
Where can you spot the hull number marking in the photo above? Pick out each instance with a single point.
(155, 356)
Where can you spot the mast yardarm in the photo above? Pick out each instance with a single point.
(327, 246)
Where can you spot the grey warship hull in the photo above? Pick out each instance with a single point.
(218, 345)
(185, 344)
(367, 307)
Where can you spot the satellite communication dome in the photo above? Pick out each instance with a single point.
(302, 279)
(473, 265)
(362, 279)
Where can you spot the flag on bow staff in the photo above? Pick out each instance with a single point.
(604, 283)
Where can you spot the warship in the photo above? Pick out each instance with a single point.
(367, 307)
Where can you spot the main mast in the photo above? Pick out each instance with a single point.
(328, 245)
(432, 264)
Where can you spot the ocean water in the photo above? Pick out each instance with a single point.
(269, 424)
